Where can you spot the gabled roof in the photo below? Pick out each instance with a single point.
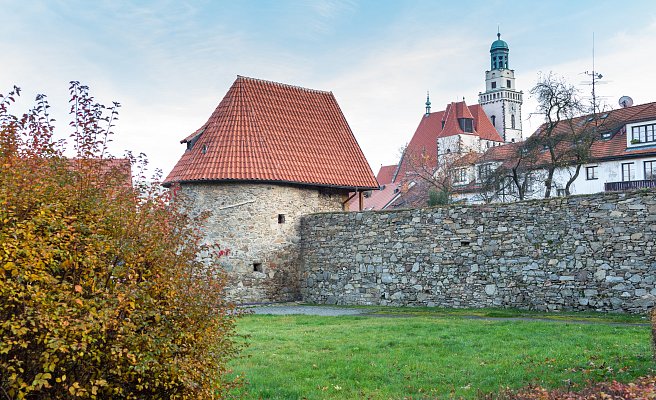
(483, 125)
(272, 132)
(611, 122)
(377, 199)
(443, 124)
(386, 174)
(615, 122)
(424, 141)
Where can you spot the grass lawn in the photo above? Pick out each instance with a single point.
(430, 356)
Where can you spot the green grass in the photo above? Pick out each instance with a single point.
(506, 313)
(310, 357)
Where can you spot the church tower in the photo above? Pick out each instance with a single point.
(501, 101)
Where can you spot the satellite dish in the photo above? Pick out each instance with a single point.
(626, 101)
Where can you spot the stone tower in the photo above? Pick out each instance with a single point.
(501, 100)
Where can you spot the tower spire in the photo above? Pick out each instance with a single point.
(428, 103)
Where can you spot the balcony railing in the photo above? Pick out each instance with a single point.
(629, 185)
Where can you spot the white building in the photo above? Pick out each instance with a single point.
(623, 157)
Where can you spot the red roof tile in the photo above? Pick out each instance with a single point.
(482, 124)
(423, 141)
(268, 131)
(613, 123)
(386, 174)
(442, 124)
(376, 199)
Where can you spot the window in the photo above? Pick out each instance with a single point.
(484, 172)
(466, 124)
(257, 267)
(508, 83)
(512, 121)
(650, 170)
(591, 173)
(281, 218)
(628, 172)
(643, 133)
(494, 120)
(460, 175)
(494, 85)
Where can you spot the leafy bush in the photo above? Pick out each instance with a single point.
(438, 198)
(101, 292)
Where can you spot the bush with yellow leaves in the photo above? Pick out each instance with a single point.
(102, 295)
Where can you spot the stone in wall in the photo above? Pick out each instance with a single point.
(260, 224)
(594, 252)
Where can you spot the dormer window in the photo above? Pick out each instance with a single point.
(466, 124)
(645, 133)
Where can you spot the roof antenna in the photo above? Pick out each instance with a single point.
(595, 77)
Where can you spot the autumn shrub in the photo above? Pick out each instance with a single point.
(101, 291)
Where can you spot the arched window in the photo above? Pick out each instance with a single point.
(512, 121)
(494, 120)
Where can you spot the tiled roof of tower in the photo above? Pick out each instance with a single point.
(273, 132)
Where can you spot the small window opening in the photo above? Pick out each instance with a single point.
(257, 267)
(281, 218)
(464, 242)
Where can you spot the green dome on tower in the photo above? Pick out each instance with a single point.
(499, 44)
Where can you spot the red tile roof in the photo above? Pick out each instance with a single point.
(616, 146)
(386, 174)
(602, 149)
(445, 123)
(268, 131)
(116, 168)
(483, 125)
(376, 199)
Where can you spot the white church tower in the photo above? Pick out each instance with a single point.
(501, 101)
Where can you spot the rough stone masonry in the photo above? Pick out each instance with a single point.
(594, 252)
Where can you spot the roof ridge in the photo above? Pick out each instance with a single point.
(284, 85)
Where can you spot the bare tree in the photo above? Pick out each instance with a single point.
(435, 172)
(560, 103)
(516, 172)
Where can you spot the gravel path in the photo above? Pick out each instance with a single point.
(289, 309)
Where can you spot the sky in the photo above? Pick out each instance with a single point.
(169, 63)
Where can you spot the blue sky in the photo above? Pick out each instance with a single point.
(169, 63)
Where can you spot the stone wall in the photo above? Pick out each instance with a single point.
(260, 225)
(594, 252)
